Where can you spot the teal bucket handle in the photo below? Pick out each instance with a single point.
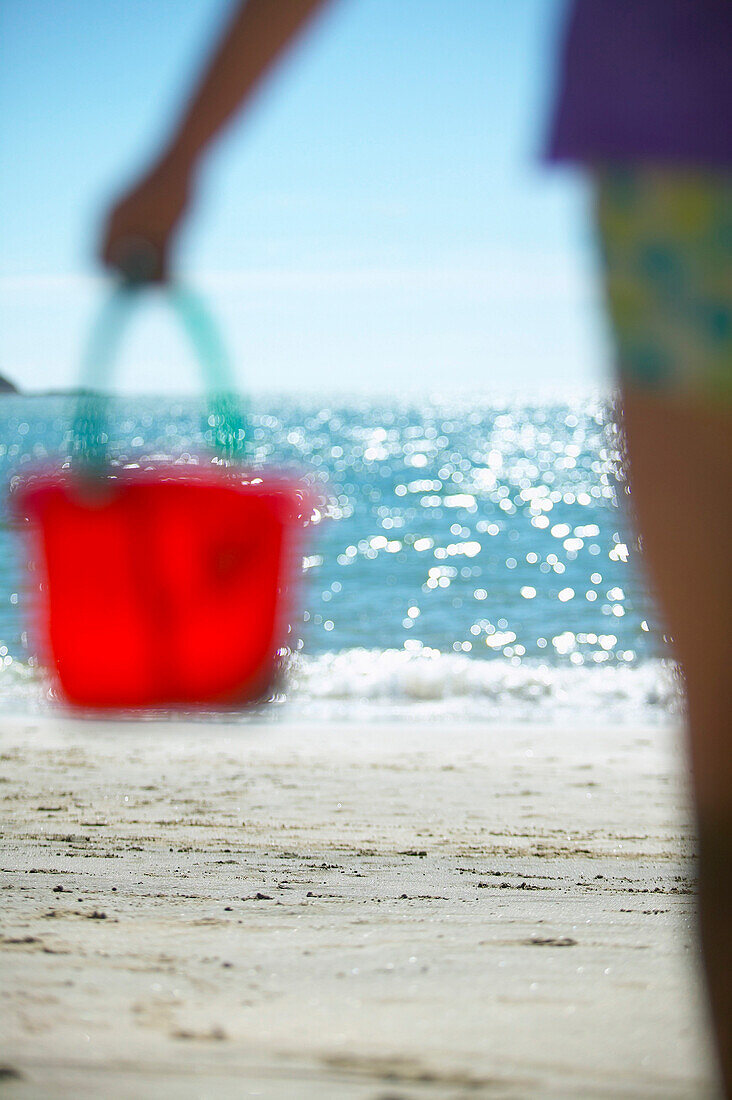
(90, 434)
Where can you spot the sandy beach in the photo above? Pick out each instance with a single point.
(384, 911)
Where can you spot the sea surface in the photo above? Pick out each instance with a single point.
(468, 559)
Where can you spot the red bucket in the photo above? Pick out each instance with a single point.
(171, 586)
(166, 586)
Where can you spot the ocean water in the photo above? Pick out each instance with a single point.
(467, 559)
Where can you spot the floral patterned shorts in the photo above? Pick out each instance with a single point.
(666, 240)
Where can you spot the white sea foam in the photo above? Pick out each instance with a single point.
(23, 688)
(365, 684)
(361, 682)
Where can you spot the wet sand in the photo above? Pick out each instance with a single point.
(386, 912)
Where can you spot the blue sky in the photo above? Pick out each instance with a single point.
(379, 220)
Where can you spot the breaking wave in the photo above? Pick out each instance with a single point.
(359, 682)
(364, 684)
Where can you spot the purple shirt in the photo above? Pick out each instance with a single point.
(646, 80)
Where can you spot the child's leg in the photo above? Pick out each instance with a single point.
(680, 469)
(667, 243)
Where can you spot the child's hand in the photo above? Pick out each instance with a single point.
(140, 229)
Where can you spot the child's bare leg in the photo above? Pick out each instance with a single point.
(681, 489)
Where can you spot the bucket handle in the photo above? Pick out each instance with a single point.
(90, 434)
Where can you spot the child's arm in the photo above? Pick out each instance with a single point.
(140, 227)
